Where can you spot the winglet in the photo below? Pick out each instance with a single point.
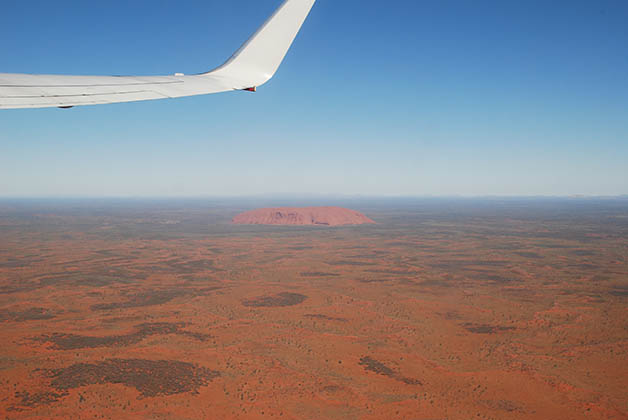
(259, 58)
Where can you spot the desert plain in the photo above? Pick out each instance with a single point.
(443, 309)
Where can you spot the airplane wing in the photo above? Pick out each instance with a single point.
(250, 66)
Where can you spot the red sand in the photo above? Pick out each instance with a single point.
(148, 313)
(318, 216)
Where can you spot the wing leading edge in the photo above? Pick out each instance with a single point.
(250, 66)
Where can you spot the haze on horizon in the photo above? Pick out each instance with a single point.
(424, 98)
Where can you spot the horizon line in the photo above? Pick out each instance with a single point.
(314, 196)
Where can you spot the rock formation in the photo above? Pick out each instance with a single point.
(318, 216)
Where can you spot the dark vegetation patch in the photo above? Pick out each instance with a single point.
(409, 381)
(28, 400)
(199, 278)
(151, 378)
(404, 244)
(582, 253)
(73, 341)
(494, 278)
(192, 266)
(181, 266)
(325, 317)
(527, 254)
(370, 281)
(462, 264)
(99, 281)
(620, 291)
(554, 246)
(506, 247)
(378, 367)
(487, 263)
(10, 289)
(275, 301)
(13, 262)
(351, 263)
(106, 252)
(31, 314)
(300, 248)
(406, 281)
(447, 266)
(150, 298)
(392, 272)
(276, 258)
(368, 255)
(318, 274)
(331, 388)
(119, 319)
(585, 266)
(94, 278)
(502, 405)
(485, 328)
(570, 236)
(452, 315)
(398, 280)
(204, 291)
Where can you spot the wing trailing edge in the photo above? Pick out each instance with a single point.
(252, 65)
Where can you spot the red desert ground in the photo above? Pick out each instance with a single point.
(451, 309)
(318, 216)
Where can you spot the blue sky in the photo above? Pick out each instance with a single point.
(430, 97)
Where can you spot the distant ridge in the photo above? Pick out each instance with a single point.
(304, 216)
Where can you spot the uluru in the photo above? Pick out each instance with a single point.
(314, 216)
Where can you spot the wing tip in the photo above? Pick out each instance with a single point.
(259, 58)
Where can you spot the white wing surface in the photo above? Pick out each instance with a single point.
(251, 66)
